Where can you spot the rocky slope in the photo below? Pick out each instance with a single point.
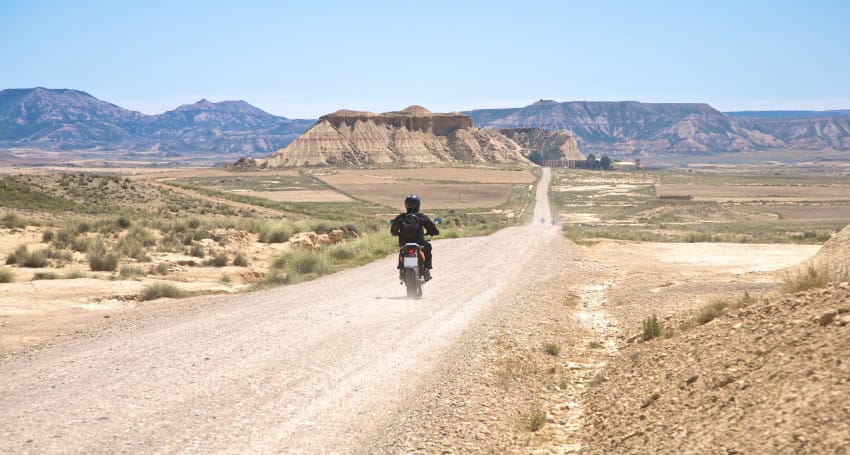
(551, 145)
(65, 119)
(767, 376)
(414, 135)
(628, 127)
(806, 133)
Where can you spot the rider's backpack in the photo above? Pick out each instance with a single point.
(411, 228)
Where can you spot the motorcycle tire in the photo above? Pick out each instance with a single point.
(411, 282)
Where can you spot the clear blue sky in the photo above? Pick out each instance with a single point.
(305, 59)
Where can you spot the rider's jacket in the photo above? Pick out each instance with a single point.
(424, 222)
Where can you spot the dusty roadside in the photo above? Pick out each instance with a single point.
(589, 301)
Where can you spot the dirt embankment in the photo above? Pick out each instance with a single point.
(769, 377)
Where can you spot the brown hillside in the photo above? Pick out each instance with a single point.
(772, 376)
(414, 135)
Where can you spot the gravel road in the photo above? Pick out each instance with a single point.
(319, 367)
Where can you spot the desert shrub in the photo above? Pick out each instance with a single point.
(100, 259)
(6, 275)
(128, 271)
(135, 243)
(535, 419)
(74, 274)
(220, 259)
(651, 328)
(158, 290)
(194, 223)
(710, 311)
(13, 221)
(123, 222)
(274, 277)
(15, 256)
(341, 252)
(598, 379)
(240, 259)
(814, 276)
(196, 250)
(552, 349)
(305, 262)
(25, 258)
(161, 268)
(47, 236)
(322, 228)
(45, 276)
(300, 265)
(225, 279)
(59, 255)
(274, 234)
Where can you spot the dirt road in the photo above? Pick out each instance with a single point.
(319, 367)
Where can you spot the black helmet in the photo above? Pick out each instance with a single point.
(411, 203)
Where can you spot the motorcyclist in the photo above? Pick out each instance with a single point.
(411, 205)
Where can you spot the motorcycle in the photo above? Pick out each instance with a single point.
(411, 265)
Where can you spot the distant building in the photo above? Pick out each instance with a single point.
(571, 164)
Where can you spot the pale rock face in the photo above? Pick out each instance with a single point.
(414, 135)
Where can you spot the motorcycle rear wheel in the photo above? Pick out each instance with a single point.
(411, 282)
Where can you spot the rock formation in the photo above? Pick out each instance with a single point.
(414, 135)
(551, 145)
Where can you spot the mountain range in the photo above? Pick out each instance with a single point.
(630, 127)
(65, 119)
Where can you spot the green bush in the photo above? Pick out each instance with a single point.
(274, 234)
(651, 328)
(814, 276)
(536, 419)
(6, 275)
(240, 260)
(197, 251)
(45, 276)
(220, 259)
(100, 259)
(158, 290)
(12, 221)
(710, 311)
(25, 258)
(128, 271)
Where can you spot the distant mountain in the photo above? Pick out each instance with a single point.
(67, 119)
(628, 127)
(788, 114)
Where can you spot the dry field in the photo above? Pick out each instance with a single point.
(752, 193)
(440, 188)
(713, 207)
(472, 175)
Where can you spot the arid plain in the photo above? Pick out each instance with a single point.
(643, 246)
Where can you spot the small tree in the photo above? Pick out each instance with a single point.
(591, 161)
(605, 162)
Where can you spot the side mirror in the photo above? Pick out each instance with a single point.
(438, 220)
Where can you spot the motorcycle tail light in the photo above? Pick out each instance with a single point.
(411, 251)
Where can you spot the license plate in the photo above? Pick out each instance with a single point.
(411, 262)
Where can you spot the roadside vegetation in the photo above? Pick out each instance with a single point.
(128, 228)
